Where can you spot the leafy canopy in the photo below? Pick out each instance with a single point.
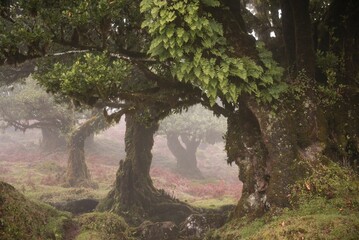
(194, 42)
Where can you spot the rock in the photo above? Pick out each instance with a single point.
(77, 206)
(157, 231)
(197, 225)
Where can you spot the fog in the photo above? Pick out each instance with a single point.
(41, 173)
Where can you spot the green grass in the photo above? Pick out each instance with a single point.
(56, 194)
(213, 203)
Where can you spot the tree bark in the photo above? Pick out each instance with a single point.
(288, 34)
(185, 156)
(298, 36)
(304, 45)
(77, 173)
(134, 195)
(270, 153)
(245, 147)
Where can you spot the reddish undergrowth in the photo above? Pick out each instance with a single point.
(25, 166)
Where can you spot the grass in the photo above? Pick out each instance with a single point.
(213, 203)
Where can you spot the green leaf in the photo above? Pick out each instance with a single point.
(180, 32)
(197, 72)
(170, 31)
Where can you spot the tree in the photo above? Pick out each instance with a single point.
(200, 51)
(25, 106)
(186, 131)
(134, 193)
(77, 174)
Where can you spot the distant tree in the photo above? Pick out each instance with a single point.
(186, 131)
(27, 106)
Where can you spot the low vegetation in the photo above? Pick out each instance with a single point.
(21, 218)
(325, 206)
(97, 226)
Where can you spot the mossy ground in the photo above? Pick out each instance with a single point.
(21, 218)
(325, 206)
(317, 219)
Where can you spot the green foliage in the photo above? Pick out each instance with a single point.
(196, 123)
(27, 35)
(332, 66)
(327, 180)
(37, 24)
(194, 41)
(91, 77)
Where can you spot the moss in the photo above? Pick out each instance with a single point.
(317, 219)
(102, 226)
(318, 226)
(325, 206)
(328, 180)
(21, 218)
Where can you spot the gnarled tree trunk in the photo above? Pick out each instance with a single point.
(245, 147)
(134, 195)
(77, 173)
(185, 155)
(269, 148)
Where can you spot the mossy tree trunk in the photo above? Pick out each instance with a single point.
(77, 173)
(134, 195)
(185, 155)
(268, 148)
(245, 147)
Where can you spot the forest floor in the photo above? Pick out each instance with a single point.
(37, 174)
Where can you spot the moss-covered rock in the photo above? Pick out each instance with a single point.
(21, 218)
(102, 226)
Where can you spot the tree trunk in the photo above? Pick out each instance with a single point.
(288, 34)
(269, 151)
(185, 156)
(304, 46)
(51, 139)
(134, 195)
(77, 174)
(297, 35)
(245, 147)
